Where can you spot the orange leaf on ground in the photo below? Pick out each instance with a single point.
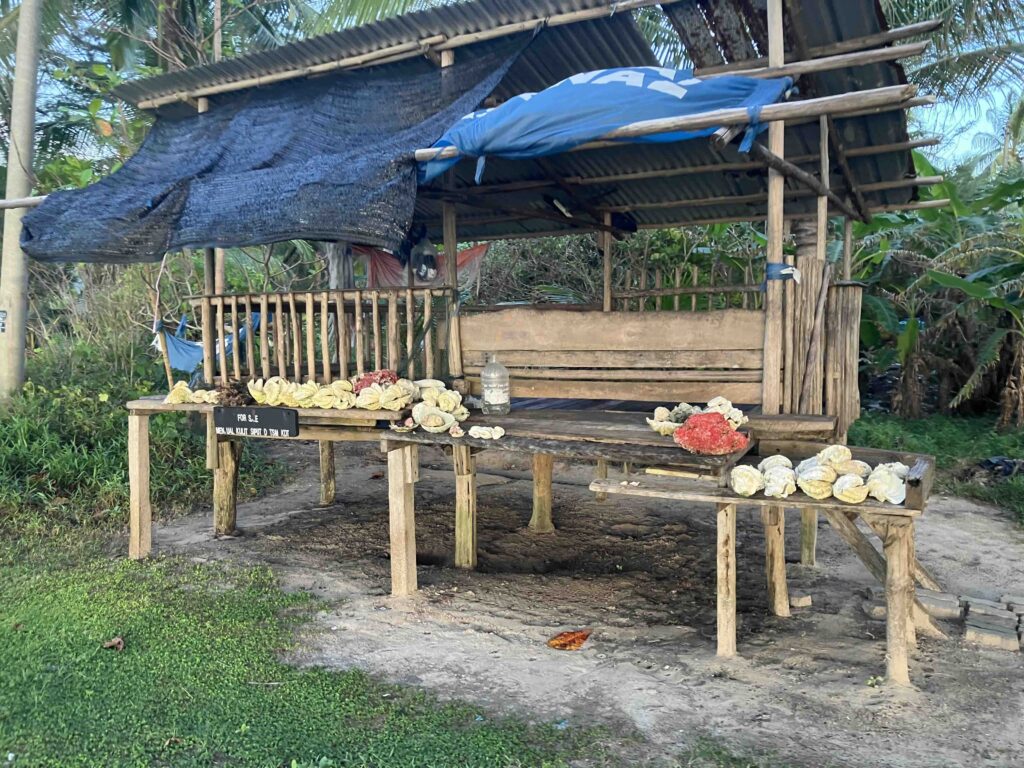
(570, 641)
(116, 643)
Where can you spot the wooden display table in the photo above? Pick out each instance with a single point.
(323, 425)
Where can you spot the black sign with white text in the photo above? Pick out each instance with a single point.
(256, 422)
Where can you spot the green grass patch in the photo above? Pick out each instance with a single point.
(957, 443)
(200, 683)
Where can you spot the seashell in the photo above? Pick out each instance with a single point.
(325, 398)
(394, 398)
(816, 489)
(430, 383)
(256, 391)
(779, 482)
(853, 467)
(406, 426)
(456, 431)
(180, 393)
(682, 412)
(834, 454)
(461, 413)
(665, 428)
(409, 388)
(806, 464)
(498, 432)
(885, 485)
(819, 473)
(304, 394)
(771, 462)
(487, 433)
(429, 395)
(449, 400)
(431, 418)
(850, 488)
(340, 386)
(745, 480)
(661, 413)
(370, 396)
(287, 396)
(272, 390)
(898, 468)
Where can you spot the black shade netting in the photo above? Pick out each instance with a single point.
(326, 158)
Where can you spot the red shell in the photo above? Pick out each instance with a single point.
(382, 377)
(709, 434)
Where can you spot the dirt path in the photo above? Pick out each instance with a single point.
(641, 574)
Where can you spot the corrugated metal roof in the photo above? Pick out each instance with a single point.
(715, 31)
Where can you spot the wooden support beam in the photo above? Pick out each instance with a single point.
(833, 49)
(606, 253)
(225, 487)
(830, 63)
(328, 482)
(401, 518)
(140, 512)
(847, 248)
(899, 591)
(465, 507)
(788, 169)
(473, 201)
(726, 580)
(808, 536)
(541, 521)
(774, 520)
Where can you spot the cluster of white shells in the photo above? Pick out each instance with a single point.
(666, 421)
(182, 393)
(832, 472)
(440, 409)
(338, 395)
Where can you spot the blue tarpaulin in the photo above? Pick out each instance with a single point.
(586, 107)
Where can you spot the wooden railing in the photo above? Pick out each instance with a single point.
(324, 335)
(690, 287)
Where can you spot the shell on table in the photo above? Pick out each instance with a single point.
(394, 398)
(180, 393)
(818, 473)
(487, 433)
(665, 428)
(682, 412)
(369, 397)
(770, 462)
(816, 489)
(448, 400)
(779, 481)
(807, 464)
(661, 413)
(885, 485)
(834, 454)
(898, 468)
(745, 480)
(432, 418)
(853, 467)
(850, 488)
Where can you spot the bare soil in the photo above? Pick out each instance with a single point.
(641, 574)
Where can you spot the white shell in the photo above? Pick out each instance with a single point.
(834, 454)
(816, 489)
(745, 480)
(885, 485)
(853, 467)
(779, 482)
(819, 473)
(434, 383)
(432, 419)
(661, 413)
(898, 468)
(663, 427)
(850, 488)
(806, 464)
(770, 462)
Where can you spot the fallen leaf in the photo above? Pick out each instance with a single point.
(116, 643)
(173, 740)
(569, 641)
(376, 475)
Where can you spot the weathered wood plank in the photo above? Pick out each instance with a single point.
(225, 487)
(524, 329)
(541, 521)
(624, 374)
(726, 580)
(808, 536)
(725, 359)
(899, 590)
(402, 521)
(774, 521)
(658, 392)
(328, 482)
(465, 507)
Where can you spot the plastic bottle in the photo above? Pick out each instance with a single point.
(494, 382)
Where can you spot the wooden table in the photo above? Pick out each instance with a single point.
(224, 452)
(610, 436)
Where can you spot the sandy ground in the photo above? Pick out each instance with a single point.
(641, 574)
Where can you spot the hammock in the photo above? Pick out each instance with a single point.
(187, 356)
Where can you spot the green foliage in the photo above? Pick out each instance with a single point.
(199, 681)
(958, 443)
(64, 446)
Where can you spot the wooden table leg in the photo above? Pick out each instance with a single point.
(140, 515)
(601, 473)
(225, 487)
(541, 521)
(465, 507)
(402, 526)
(775, 559)
(726, 580)
(808, 536)
(328, 483)
(899, 587)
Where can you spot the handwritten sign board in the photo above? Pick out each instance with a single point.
(256, 422)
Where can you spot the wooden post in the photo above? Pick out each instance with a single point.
(328, 483)
(774, 521)
(402, 522)
(606, 248)
(451, 257)
(726, 580)
(771, 395)
(225, 487)
(140, 514)
(847, 248)
(465, 507)
(808, 536)
(541, 520)
(602, 473)
(899, 589)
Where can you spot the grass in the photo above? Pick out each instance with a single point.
(200, 682)
(957, 443)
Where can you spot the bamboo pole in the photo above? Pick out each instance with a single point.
(325, 338)
(250, 344)
(343, 345)
(428, 334)
(451, 256)
(831, 63)
(839, 104)
(847, 248)
(394, 357)
(410, 330)
(309, 316)
(222, 354)
(279, 336)
(296, 338)
(236, 362)
(265, 336)
(606, 253)
(360, 351)
(378, 357)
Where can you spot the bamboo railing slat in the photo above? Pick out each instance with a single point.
(410, 333)
(428, 336)
(222, 363)
(341, 323)
(296, 337)
(310, 337)
(325, 338)
(394, 353)
(250, 343)
(378, 358)
(265, 335)
(360, 347)
(236, 362)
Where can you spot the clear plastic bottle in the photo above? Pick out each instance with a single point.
(494, 382)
